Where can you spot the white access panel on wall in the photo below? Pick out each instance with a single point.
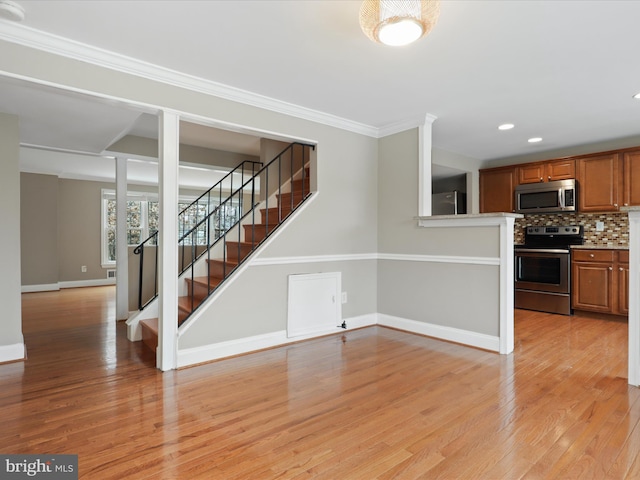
(314, 304)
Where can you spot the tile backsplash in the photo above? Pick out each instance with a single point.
(615, 233)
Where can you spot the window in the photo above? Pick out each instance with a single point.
(142, 221)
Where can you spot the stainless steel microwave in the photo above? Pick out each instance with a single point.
(547, 197)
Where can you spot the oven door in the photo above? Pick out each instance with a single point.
(542, 270)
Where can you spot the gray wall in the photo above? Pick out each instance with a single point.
(39, 229)
(11, 318)
(79, 230)
(427, 291)
(340, 220)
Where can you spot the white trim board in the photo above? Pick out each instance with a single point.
(440, 259)
(11, 353)
(261, 262)
(208, 353)
(51, 287)
(440, 332)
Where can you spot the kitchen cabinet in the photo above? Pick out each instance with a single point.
(546, 171)
(599, 182)
(600, 280)
(497, 189)
(631, 178)
(623, 282)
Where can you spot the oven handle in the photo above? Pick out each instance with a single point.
(541, 250)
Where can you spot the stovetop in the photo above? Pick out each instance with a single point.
(561, 236)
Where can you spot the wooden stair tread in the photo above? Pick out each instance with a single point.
(184, 303)
(211, 281)
(151, 324)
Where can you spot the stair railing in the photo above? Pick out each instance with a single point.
(246, 168)
(261, 188)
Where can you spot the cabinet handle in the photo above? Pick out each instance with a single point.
(610, 268)
(591, 255)
(541, 179)
(615, 204)
(621, 269)
(549, 177)
(626, 204)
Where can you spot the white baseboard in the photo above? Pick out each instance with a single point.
(88, 283)
(361, 321)
(51, 287)
(10, 353)
(208, 353)
(465, 337)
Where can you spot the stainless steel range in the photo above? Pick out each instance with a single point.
(542, 268)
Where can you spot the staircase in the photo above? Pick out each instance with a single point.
(285, 182)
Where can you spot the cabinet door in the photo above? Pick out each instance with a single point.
(533, 173)
(631, 178)
(592, 289)
(599, 182)
(623, 289)
(497, 190)
(623, 282)
(561, 170)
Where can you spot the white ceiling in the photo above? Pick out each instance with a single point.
(564, 70)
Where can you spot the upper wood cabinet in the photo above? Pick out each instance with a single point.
(496, 189)
(546, 171)
(599, 182)
(606, 181)
(631, 178)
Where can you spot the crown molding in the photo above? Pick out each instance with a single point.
(405, 125)
(57, 45)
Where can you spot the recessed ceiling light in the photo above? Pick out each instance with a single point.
(506, 126)
(535, 140)
(637, 96)
(11, 11)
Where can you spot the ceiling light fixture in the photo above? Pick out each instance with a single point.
(506, 126)
(535, 140)
(11, 11)
(398, 22)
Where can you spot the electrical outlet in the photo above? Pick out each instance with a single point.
(599, 226)
(344, 297)
(83, 269)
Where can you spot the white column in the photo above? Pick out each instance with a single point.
(424, 166)
(506, 286)
(634, 298)
(122, 248)
(166, 354)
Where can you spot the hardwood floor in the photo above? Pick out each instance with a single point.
(367, 404)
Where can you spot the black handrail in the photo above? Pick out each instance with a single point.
(153, 238)
(209, 220)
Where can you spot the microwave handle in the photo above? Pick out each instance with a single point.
(561, 199)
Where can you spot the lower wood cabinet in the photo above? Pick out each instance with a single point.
(600, 280)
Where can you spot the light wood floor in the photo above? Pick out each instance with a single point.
(366, 404)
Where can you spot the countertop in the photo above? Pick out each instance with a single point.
(600, 247)
(591, 247)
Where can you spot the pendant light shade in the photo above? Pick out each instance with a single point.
(398, 22)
